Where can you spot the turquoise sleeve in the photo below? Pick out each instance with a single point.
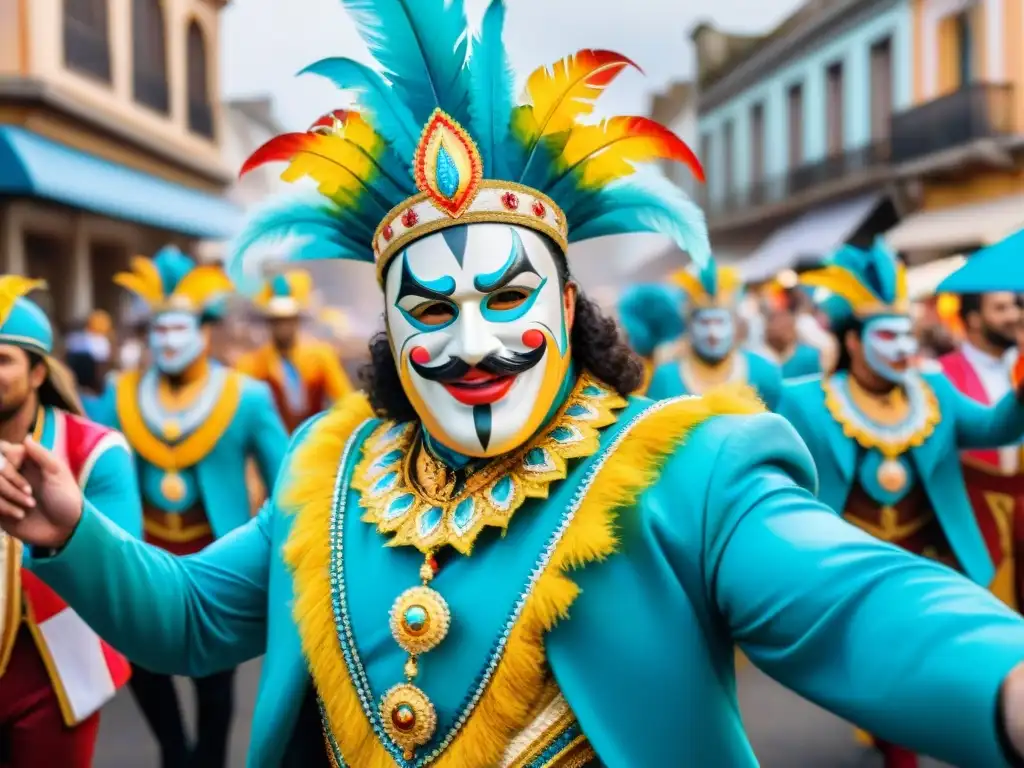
(185, 616)
(979, 425)
(112, 486)
(268, 436)
(661, 386)
(905, 648)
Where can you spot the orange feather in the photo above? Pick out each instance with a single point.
(566, 91)
(612, 149)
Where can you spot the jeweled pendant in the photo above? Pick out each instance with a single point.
(172, 429)
(172, 486)
(892, 476)
(408, 716)
(420, 619)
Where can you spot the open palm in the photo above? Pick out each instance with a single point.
(40, 501)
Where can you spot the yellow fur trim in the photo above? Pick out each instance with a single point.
(193, 448)
(518, 680)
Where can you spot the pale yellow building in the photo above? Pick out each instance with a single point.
(109, 139)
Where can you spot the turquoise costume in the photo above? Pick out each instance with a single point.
(805, 360)
(651, 316)
(421, 606)
(718, 289)
(900, 481)
(192, 459)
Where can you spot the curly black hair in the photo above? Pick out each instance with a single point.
(597, 347)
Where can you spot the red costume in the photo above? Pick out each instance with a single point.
(55, 672)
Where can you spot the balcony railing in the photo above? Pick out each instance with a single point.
(200, 118)
(802, 179)
(150, 89)
(86, 50)
(976, 111)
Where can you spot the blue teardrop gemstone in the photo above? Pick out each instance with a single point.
(389, 458)
(429, 520)
(563, 434)
(502, 491)
(384, 484)
(591, 391)
(446, 174)
(537, 457)
(399, 505)
(464, 514)
(579, 411)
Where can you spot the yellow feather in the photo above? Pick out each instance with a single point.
(300, 284)
(566, 91)
(14, 287)
(337, 163)
(147, 270)
(729, 281)
(691, 285)
(203, 284)
(142, 288)
(843, 283)
(902, 289)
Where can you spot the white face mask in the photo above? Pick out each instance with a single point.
(176, 340)
(713, 333)
(890, 346)
(476, 319)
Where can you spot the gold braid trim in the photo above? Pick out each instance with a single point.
(508, 702)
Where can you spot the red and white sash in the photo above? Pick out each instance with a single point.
(86, 672)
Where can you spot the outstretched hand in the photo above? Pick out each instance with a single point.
(40, 501)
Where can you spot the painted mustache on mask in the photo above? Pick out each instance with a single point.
(511, 364)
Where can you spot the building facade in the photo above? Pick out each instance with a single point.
(958, 150)
(795, 130)
(110, 128)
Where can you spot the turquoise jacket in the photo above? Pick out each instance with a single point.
(964, 423)
(805, 361)
(218, 481)
(763, 375)
(728, 545)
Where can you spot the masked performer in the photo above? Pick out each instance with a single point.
(193, 425)
(652, 320)
(55, 672)
(712, 357)
(504, 561)
(885, 436)
(304, 374)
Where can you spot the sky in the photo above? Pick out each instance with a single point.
(265, 42)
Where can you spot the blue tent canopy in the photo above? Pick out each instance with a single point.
(34, 166)
(998, 267)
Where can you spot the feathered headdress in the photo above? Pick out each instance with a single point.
(439, 141)
(861, 283)
(172, 281)
(709, 285)
(286, 294)
(651, 315)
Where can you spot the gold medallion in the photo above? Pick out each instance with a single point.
(172, 486)
(409, 717)
(420, 619)
(172, 429)
(892, 476)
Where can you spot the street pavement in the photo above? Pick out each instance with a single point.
(786, 731)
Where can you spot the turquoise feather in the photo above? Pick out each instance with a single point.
(325, 228)
(446, 175)
(492, 84)
(380, 107)
(708, 277)
(651, 315)
(651, 204)
(884, 263)
(422, 46)
(172, 265)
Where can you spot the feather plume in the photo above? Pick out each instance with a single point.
(650, 204)
(843, 283)
(390, 118)
(491, 83)
(350, 164)
(204, 285)
(422, 47)
(14, 287)
(596, 155)
(148, 272)
(324, 231)
(561, 94)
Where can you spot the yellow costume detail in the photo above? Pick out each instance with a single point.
(508, 705)
(532, 468)
(196, 446)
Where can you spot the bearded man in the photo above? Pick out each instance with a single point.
(500, 559)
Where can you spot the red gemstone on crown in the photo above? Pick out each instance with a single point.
(538, 208)
(510, 200)
(409, 218)
(388, 232)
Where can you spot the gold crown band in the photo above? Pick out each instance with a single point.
(502, 202)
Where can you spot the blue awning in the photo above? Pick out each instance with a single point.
(34, 166)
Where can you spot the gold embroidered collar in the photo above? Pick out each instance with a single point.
(891, 440)
(455, 516)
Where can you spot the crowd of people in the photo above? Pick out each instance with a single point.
(525, 537)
